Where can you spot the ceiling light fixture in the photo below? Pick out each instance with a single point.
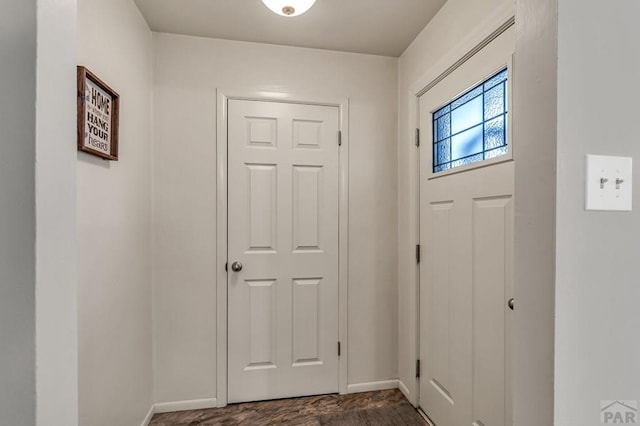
(289, 8)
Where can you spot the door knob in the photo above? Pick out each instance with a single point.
(511, 303)
(236, 266)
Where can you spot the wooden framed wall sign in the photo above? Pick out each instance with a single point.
(98, 116)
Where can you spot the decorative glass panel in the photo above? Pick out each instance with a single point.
(468, 160)
(467, 115)
(467, 143)
(443, 128)
(442, 151)
(501, 77)
(473, 127)
(463, 99)
(494, 102)
(441, 112)
(494, 133)
(496, 152)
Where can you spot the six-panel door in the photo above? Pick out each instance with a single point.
(283, 229)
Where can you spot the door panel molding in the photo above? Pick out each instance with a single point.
(304, 141)
(492, 221)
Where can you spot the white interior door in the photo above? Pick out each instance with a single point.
(283, 230)
(466, 223)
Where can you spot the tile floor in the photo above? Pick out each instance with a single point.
(305, 411)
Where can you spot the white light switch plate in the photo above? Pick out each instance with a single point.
(609, 183)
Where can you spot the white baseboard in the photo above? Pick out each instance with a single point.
(404, 389)
(196, 404)
(372, 386)
(147, 418)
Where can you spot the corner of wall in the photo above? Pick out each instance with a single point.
(535, 102)
(56, 251)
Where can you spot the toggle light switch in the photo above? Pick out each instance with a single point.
(609, 183)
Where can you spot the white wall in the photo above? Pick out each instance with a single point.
(535, 100)
(55, 248)
(38, 322)
(597, 291)
(430, 50)
(17, 212)
(187, 72)
(114, 225)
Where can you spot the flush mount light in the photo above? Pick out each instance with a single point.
(289, 7)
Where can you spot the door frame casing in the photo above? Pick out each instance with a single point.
(223, 96)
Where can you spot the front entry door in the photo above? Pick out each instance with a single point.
(283, 250)
(466, 226)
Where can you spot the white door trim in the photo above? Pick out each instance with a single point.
(221, 227)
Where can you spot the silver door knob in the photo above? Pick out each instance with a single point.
(511, 303)
(236, 266)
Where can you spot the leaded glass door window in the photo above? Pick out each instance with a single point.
(473, 126)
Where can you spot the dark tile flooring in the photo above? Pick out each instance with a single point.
(304, 411)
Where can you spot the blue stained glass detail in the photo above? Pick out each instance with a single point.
(503, 150)
(476, 91)
(443, 128)
(497, 79)
(442, 151)
(494, 102)
(466, 116)
(473, 127)
(467, 160)
(467, 143)
(506, 97)
(441, 112)
(494, 133)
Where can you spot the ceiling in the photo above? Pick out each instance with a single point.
(379, 27)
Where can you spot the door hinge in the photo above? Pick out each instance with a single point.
(418, 368)
(339, 137)
(418, 138)
(339, 349)
(418, 253)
